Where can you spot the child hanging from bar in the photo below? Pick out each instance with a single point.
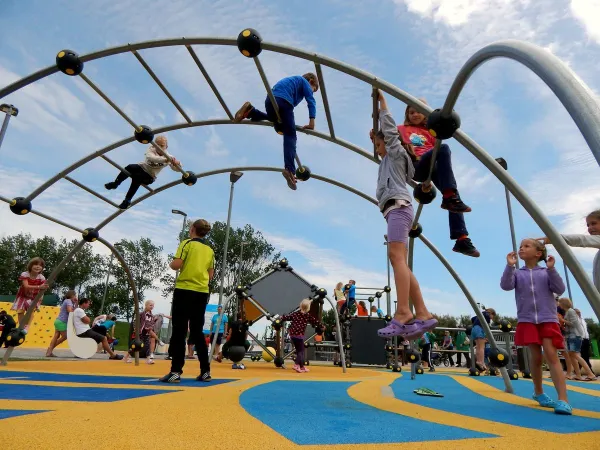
(298, 321)
(145, 172)
(288, 93)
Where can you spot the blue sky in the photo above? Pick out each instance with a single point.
(329, 235)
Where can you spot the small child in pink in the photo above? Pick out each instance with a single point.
(298, 321)
(32, 281)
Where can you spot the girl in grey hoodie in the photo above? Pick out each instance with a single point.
(537, 326)
(395, 171)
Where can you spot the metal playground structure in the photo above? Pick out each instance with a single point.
(573, 94)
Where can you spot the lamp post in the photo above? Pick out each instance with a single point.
(107, 278)
(181, 213)
(233, 178)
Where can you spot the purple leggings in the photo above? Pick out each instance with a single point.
(399, 222)
(299, 346)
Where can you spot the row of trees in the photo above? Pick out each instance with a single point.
(87, 272)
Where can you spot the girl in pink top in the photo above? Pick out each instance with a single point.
(415, 133)
(32, 282)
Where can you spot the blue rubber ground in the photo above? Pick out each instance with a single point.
(7, 413)
(103, 379)
(458, 399)
(525, 389)
(581, 384)
(73, 394)
(322, 412)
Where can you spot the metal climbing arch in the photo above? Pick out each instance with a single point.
(574, 95)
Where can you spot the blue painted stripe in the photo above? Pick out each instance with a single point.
(322, 413)
(593, 385)
(525, 389)
(461, 400)
(104, 379)
(8, 413)
(73, 394)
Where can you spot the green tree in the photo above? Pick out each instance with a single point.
(258, 255)
(146, 264)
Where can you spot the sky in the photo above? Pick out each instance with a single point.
(327, 234)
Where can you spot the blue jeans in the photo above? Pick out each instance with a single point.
(288, 127)
(443, 178)
(574, 344)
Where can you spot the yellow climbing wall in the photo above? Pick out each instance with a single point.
(42, 326)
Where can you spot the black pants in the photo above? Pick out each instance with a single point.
(299, 347)
(426, 354)
(188, 306)
(138, 177)
(585, 352)
(459, 359)
(450, 355)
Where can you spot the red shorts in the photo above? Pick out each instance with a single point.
(531, 333)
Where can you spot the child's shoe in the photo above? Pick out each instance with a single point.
(161, 343)
(110, 186)
(296, 366)
(243, 112)
(125, 204)
(298, 369)
(455, 205)
(466, 247)
(151, 356)
(290, 178)
(546, 402)
(128, 359)
(149, 361)
(305, 369)
(563, 408)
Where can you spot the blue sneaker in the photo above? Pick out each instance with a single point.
(545, 401)
(563, 408)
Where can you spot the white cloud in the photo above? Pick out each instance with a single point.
(588, 13)
(453, 13)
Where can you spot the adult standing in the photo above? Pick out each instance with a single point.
(222, 329)
(462, 345)
(196, 261)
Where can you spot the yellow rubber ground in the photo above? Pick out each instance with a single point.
(213, 416)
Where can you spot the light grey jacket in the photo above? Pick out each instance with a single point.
(396, 169)
(590, 241)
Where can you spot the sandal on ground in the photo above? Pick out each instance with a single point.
(590, 379)
(544, 400)
(52, 355)
(481, 367)
(563, 408)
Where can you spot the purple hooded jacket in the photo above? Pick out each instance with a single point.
(534, 292)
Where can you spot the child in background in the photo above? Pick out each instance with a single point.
(340, 298)
(145, 172)
(574, 338)
(32, 282)
(298, 321)
(479, 339)
(395, 171)
(238, 333)
(585, 342)
(415, 132)
(582, 240)
(60, 324)
(537, 326)
(361, 309)
(288, 93)
(378, 311)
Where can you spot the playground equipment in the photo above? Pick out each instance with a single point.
(574, 95)
(83, 348)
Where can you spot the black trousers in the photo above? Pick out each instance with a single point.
(426, 354)
(138, 177)
(188, 307)
(585, 352)
(459, 358)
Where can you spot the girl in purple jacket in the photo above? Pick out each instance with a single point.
(537, 326)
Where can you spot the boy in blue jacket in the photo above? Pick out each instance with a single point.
(288, 93)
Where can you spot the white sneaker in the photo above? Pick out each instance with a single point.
(161, 343)
(457, 365)
(128, 359)
(151, 356)
(149, 361)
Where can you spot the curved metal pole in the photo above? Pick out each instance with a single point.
(179, 126)
(484, 324)
(338, 334)
(50, 281)
(572, 92)
(136, 301)
(538, 216)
